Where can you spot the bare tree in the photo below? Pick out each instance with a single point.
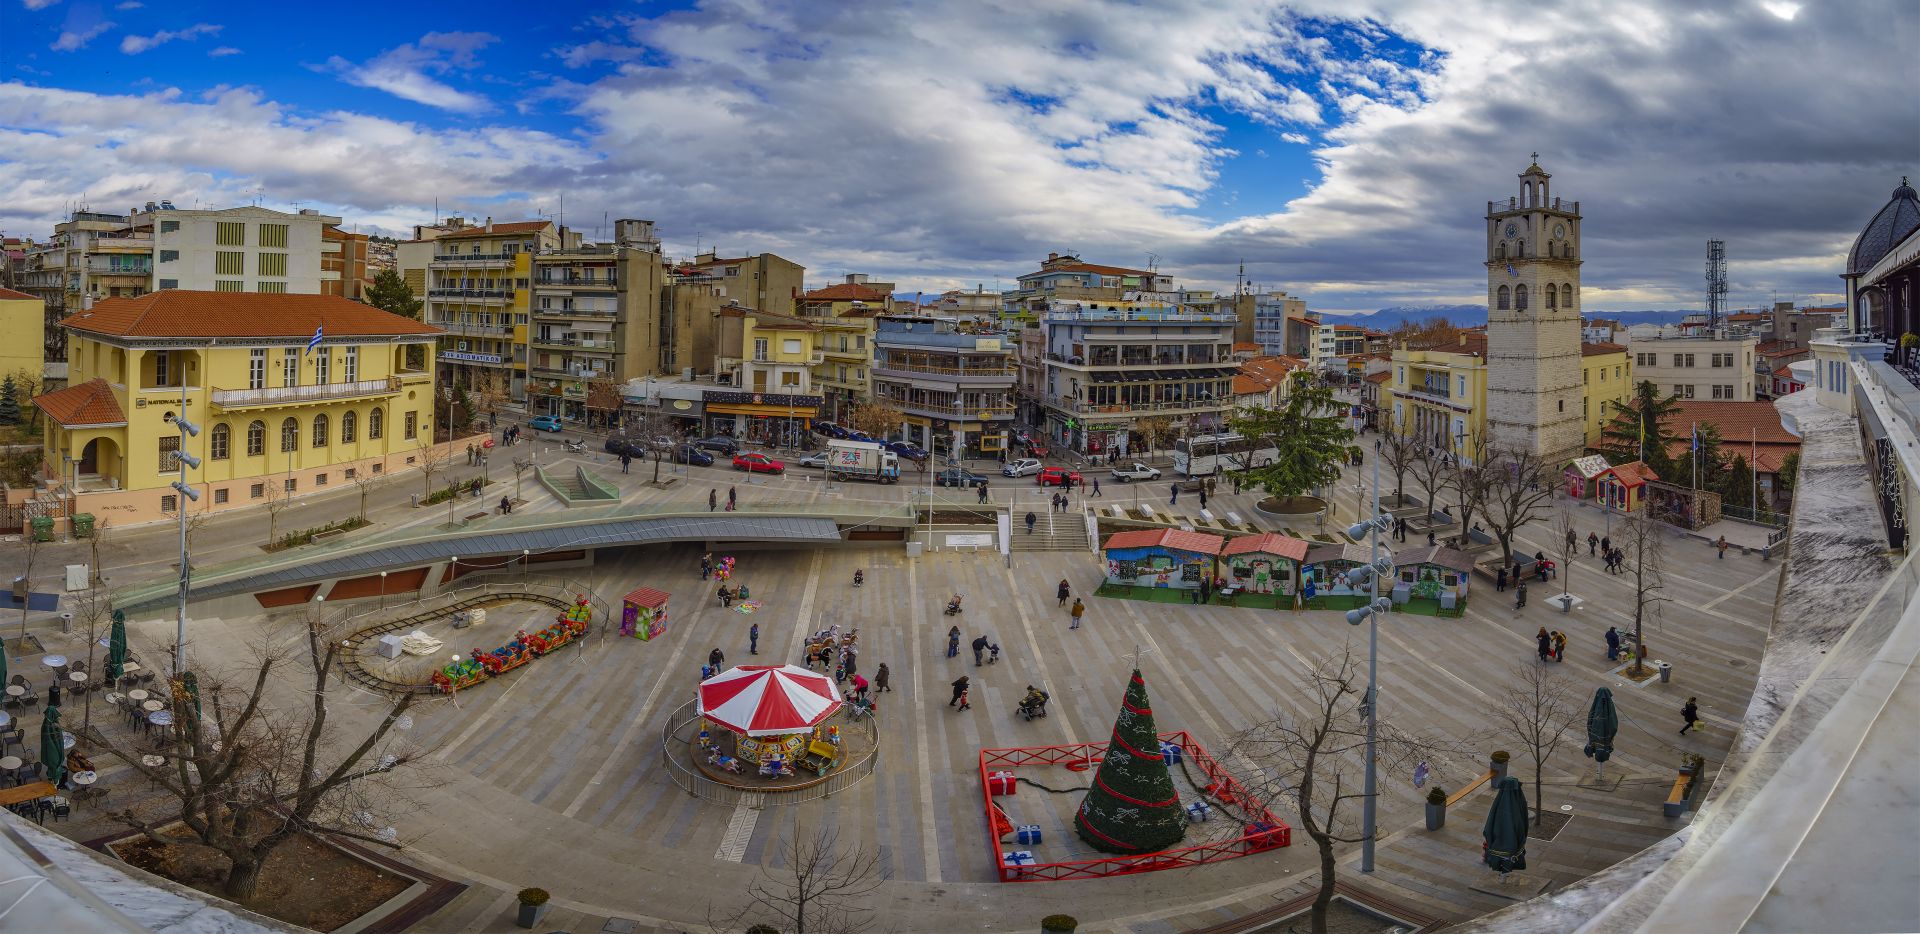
(30, 545)
(93, 610)
(877, 418)
(367, 483)
(29, 380)
(604, 400)
(1430, 471)
(647, 429)
(1397, 452)
(431, 459)
(1537, 712)
(1312, 760)
(488, 389)
(1156, 431)
(1569, 546)
(1468, 479)
(100, 527)
(1640, 538)
(276, 501)
(1517, 490)
(259, 770)
(520, 467)
(818, 888)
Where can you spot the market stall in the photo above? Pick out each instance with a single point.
(643, 613)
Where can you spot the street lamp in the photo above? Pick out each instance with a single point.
(1370, 614)
(187, 495)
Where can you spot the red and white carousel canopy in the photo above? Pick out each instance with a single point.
(768, 700)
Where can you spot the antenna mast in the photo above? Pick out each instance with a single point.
(1716, 282)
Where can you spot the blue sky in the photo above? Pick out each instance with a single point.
(1343, 148)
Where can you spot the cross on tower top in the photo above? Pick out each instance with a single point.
(1536, 157)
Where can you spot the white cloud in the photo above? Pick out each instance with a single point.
(73, 40)
(1296, 138)
(134, 45)
(403, 71)
(222, 51)
(129, 5)
(38, 4)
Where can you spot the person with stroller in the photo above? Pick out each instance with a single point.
(1034, 704)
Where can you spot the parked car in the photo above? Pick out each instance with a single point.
(756, 462)
(617, 445)
(1037, 449)
(907, 450)
(958, 476)
(1025, 466)
(719, 444)
(818, 461)
(1126, 473)
(688, 454)
(1057, 476)
(546, 423)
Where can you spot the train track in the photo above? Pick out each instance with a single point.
(359, 640)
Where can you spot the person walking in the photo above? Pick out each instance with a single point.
(959, 692)
(1096, 488)
(880, 676)
(1690, 713)
(1593, 543)
(979, 646)
(1236, 484)
(1063, 591)
(1175, 501)
(469, 455)
(733, 498)
(1031, 520)
(1606, 543)
(717, 659)
(1520, 596)
(626, 461)
(1722, 545)
(753, 639)
(953, 642)
(706, 565)
(1613, 644)
(1429, 539)
(982, 490)
(1559, 646)
(1203, 497)
(1079, 610)
(713, 500)
(1545, 643)
(1573, 541)
(1500, 581)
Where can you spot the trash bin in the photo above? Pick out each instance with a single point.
(83, 525)
(43, 529)
(1666, 672)
(416, 499)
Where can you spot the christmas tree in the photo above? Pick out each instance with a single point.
(1132, 806)
(9, 402)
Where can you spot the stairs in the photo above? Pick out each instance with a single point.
(569, 488)
(1056, 531)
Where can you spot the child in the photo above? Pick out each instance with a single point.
(994, 653)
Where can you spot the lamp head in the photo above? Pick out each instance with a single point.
(186, 491)
(1358, 615)
(1359, 529)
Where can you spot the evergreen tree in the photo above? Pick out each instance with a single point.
(389, 292)
(1132, 806)
(9, 402)
(1310, 431)
(1736, 484)
(1638, 430)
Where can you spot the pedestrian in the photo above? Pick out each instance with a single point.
(626, 460)
(706, 565)
(1500, 582)
(1063, 591)
(1206, 590)
(717, 659)
(979, 646)
(850, 657)
(753, 639)
(839, 673)
(860, 687)
(1096, 487)
(1429, 539)
(1593, 543)
(1545, 643)
(1236, 484)
(959, 691)
(993, 653)
(469, 455)
(1606, 543)
(953, 642)
(1031, 519)
(1520, 596)
(706, 671)
(1559, 646)
(1722, 545)
(733, 498)
(1573, 541)
(1613, 644)
(713, 500)
(1175, 501)
(880, 676)
(1203, 497)
(1079, 610)
(982, 490)
(1690, 713)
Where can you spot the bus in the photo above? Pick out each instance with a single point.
(1206, 455)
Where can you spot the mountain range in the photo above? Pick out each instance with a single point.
(1386, 319)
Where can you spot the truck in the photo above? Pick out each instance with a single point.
(861, 460)
(1135, 471)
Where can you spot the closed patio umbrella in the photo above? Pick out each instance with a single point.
(117, 648)
(1602, 723)
(53, 746)
(1505, 834)
(3, 665)
(192, 685)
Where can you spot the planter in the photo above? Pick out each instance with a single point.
(530, 915)
(1292, 508)
(1436, 816)
(1058, 924)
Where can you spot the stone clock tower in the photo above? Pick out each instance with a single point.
(1533, 323)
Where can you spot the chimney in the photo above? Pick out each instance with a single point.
(489, 223)
(1052, 256)
(86, 302)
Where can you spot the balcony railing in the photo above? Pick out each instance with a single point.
(122, 243)
(592, 282)
(470, 293)
(1123, 408)
(999, 410)
(978, 372)
(577, 343)
(119, 269)
(290, 395)
(575, 313)
(471, 257)
(479, 330)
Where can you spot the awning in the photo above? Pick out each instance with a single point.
(770, 411)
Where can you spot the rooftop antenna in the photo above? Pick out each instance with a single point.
(1716, 281)
(1240, 281)
(1153, 262)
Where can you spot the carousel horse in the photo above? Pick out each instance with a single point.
(721, 760)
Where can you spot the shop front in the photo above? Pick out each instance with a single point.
(761, 418)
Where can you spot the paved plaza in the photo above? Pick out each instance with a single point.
(551, 776)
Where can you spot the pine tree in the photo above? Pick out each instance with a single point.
(1132, 806)
(1309, 431)
(9, 402)
(389, 292)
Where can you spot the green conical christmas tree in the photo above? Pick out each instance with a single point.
(1132, 806)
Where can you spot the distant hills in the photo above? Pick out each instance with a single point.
(1386, 319)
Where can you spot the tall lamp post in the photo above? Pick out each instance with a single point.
(187, 495)
(1377, 607)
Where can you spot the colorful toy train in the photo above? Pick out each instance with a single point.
(571, 624)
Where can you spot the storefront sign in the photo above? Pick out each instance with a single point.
(469, 357)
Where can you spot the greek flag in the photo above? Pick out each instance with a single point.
(1511, 272)
(1695, 435)
(318, 332)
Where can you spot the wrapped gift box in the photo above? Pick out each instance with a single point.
(1027, 835)
(1017, 860)
(1170, 753)
(1199, 811)
(1001, 783)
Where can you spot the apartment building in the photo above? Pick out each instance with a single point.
(1112, 365)
(953, 382)
(764, 282)
(477, 284)
(1281, 325)
(767, 360)
(1715, 365)
(1334, 343)
(277, 418)
(1606, 382)
(595, 318)
(343, 263)
(1439, 394)
(243, 249)
(91, 255)
(1064, 277)
(846, 312)
(959, 303)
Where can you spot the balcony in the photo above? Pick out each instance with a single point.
(955, 372)
(475, 330)
(101, 267)
(472, 258)
(984, 411)
(596, 345)
(230, 399)
(845, 353)
(575, 313)
(495, 295)
(578, 282)
(1134, 408)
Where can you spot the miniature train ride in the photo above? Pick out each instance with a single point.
(571, 625)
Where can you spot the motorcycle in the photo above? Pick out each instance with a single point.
(576, 447)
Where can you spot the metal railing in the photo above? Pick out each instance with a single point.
(471, 257)
(574, 343)
(470, 293)
(1121, 408)
(959, 411)
(575, 312)
(278, 395)
(978, 371)
(683, 728)
(608, 282)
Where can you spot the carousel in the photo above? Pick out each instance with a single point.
(769, 721)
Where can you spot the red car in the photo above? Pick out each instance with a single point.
(757, 463)
(1057, 476)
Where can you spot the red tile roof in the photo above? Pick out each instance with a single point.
(90, 404)
(1177, 539)
(12, 296)
(1783, 371)
(1245, 345)
(1779, 349)
(1089, 267)
(173, 313)
(1380, 377)
(1263, 373)
(845, 292)
(511, 227)
(1633, 473)
(1736, 421)
(1748, 316)
(1272, 543)
(1601, 347)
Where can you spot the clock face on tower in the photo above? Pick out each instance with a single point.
(1559, 231)
(1512, 228)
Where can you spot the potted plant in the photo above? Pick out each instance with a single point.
(763, 929)
(533, 906)
(1436, 809)
(1058, 924)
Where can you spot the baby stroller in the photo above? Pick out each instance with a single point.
(862, 707)
(1034, 704)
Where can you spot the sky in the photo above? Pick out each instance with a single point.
(1344, 150)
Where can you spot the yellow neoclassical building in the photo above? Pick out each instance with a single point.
(280, 413)
(1606, 375)
(1439, 394)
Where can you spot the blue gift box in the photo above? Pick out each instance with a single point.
(1027, 834)
(1170, 753)
(1017, 859)
(1199, 811)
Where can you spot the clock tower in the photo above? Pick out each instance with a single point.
(1533, 323)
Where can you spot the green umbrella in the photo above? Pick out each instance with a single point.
(117, 648)
(3, 663)
(1602, 723)
(192, 684)
(1505, 835)
(53, 746)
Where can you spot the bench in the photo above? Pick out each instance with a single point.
(1119, 511)
(1146, 511)
(330, 533)
(1676, 803)
(1206, 515)
(1472, 786)
(819, 757)
(1234, 518)
(478, 515)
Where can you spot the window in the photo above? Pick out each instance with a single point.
(1552, 297)
(1506, 298)
(274, 235)
(276, 288)
(412, 426)
(1616, 373)
(290, 435)
(760, 349)
(322, 366)
(1584, 409)
(229, 263)
(1644, 359)
(351, 472)
(320, 430)
(1520, 298)
(169, 453)
(169, 283)
(1683, 359)
(377, 468)
(220, 496)
(160, 368)
(227, 233)
(169, 503)
(1563, 405)
(256, 439)
(229, 285)
(169, 256)
(1566, 294)
(320, 479)
(1686, 392)
(258, 490)
(1463, 386)
(290, 485)
(169, 226)
(376, 424)
(349, 426)
(272, 264)
(220, 443)
(790, 345)
(290, 367)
